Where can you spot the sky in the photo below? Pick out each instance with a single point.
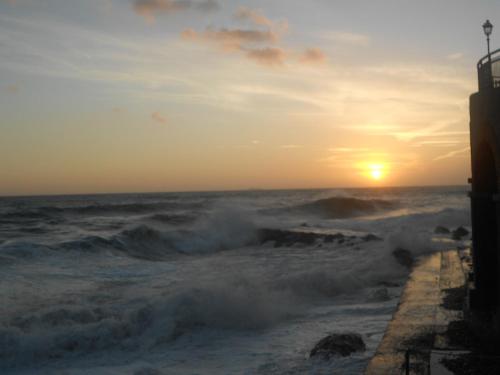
(101, 96)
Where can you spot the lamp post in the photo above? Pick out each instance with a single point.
(488, 28)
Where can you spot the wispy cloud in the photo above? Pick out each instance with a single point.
(267, 56)
(266, 33)
(405, 103)
(360, 160)
(149, 9)
(313, 56)
(452, 154)
(231, 39)
(254, 16)
(355, 157)
(350, 38)
(441, 142)
(156, 116)
(455, 56)
(346, 150)
(351, 154)
(100, 58)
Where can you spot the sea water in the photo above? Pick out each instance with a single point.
(208, 283)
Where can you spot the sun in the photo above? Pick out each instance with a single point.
(376, 171)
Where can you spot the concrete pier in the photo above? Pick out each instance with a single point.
(420, 319)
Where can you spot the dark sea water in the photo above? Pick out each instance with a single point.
(207, 283)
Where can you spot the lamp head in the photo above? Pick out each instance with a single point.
(488, 28)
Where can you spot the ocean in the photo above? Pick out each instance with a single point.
(208, 283)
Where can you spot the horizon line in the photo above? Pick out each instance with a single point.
(223, 191)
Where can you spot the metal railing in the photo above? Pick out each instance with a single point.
(488, 70)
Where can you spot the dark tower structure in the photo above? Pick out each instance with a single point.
(485, 198)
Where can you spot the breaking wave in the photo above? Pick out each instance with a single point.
(56, 214)
(233, 302)
(124, 282)
(345, 207)
(222, 230)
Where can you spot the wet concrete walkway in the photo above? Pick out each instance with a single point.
(420, 319)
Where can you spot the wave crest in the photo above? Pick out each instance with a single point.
(346, 207)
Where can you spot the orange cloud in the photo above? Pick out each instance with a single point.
(150, 8)
(313, 56)
(254, 16)
(254, 43)
(232, 39)
(267, 56)
(158, 118)
(348, 38)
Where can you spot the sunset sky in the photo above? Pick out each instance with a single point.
(172, 95)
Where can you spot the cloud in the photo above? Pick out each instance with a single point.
(359, 160)
(348, 38)
(440, 142)
(346, 157)
(118, 110)
(267, 56)
(149, 9)
(241, 40)
(254, 16)
(291, 147)
(259, 43)
(231, 39)
(341, 150)
(313, 56)
(452, 154)
(257, 18)
(455, 56)
(158, 118)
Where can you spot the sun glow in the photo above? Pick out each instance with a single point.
(376, 171)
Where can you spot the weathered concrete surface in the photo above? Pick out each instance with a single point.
(452, 276)
(420, 319)
(414, 317)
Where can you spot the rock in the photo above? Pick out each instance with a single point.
(458, 233)
(441, 230)
(404, 257)
(339, 237)
(343, 344)
(371, 237)
(287, 238)
(290, 238)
